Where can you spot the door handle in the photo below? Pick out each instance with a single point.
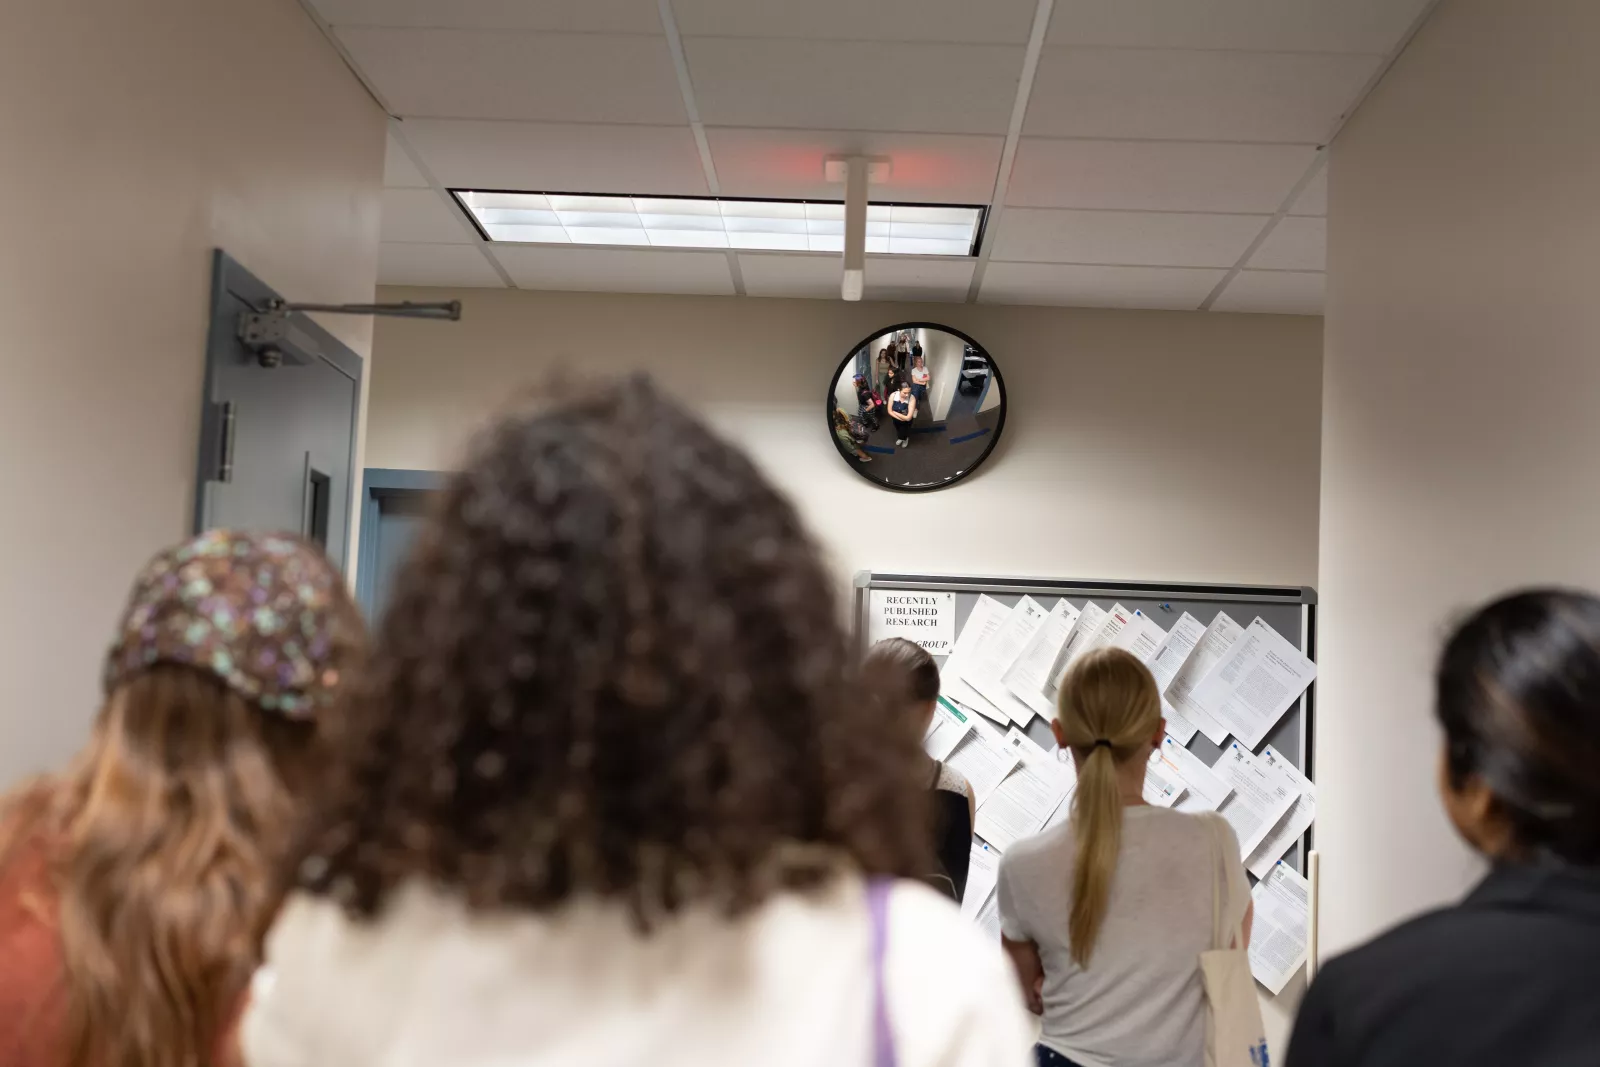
(225, 459)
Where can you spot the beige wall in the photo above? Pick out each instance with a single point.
(1137, 444)
(1459, 431)
(135, 137)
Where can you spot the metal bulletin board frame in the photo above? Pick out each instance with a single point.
(1291, 610)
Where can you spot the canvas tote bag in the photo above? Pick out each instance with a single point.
(1235, 1035)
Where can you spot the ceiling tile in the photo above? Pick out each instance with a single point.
(1294, 244)
(1369, 26)
(560, 157)
(1127, 238)
(854, 85)
(1120, 287)
(1281, 292)
(906, 278)
(888, 277)
(959, 21)
(1313, 199)
(421, 215)
(398, 170)
(1156, 175)
(927, 167)
(620, 271)
(573, 16)
(567, 77)
(424, 264)
(1193, 95)
(815, 277)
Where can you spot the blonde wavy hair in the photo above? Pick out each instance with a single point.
(1108, 710)
(166, 842)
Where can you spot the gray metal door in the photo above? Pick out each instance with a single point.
(279, 425)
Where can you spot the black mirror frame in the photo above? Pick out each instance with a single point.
(830, 402)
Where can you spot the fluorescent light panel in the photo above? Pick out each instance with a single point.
(681, 222)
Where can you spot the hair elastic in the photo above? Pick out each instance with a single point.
(1106, 741)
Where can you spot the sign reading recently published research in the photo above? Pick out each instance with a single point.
(929, 619)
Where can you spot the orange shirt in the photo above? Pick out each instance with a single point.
(32, 991)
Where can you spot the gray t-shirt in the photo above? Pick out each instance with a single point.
(1140, 1002)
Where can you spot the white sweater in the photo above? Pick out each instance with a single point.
(430, 985)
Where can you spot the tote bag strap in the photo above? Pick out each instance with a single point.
(883, 1051)
(1222, 936)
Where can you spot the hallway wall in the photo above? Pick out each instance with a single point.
(138, 136)
(1138, 444)
(1459, 431)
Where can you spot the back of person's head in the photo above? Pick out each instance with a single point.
(1518, 695)
(1108, 710)
(167, 839)
(901, 681)
(612, 669)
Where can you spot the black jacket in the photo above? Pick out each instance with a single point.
(1508, 978)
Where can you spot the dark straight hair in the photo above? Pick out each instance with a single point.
(901, 672)
(1518, 695)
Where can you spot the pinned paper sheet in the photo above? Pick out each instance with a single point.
(984, 760)
(1142, 636)
(1174, 651)
(1248, 692)
(983, 868)
(986, 617)
(1261, 796)
(1203, 790)
(1028, 677)
(927, 619)
(1288, 829)
(1208, 653)
(1027, 797)
(1278, 936)
(950, 725)
(1084, 632)
(997, 654)
(1162, 787)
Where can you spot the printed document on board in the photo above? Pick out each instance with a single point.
(1027, 797)
(1278, 935)
(1261, 796)
(1288, 830)
(999, 652)
(983, 870)
(1208, 652)
(1248, 692)
(1090, 619)
(984, 760)
(1030, 674)
(1203, 790)
(986, 617)
(1142, 637)
(950, 724)
(1175, 649)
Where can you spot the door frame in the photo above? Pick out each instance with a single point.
(377, 485)
(230, 278)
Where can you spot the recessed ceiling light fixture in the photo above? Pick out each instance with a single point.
(718, 222)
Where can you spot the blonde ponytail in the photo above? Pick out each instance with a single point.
(1108, 711)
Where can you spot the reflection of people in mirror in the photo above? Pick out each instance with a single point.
(920, 378)
(847, 434)
(903, 409)
(887, 371)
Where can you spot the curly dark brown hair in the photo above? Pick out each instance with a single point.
(613, 667)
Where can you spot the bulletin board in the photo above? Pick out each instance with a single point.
(1290, 610)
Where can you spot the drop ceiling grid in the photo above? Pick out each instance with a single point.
(1153, 139)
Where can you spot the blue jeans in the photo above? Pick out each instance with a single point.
(921, 393)
(1049, 1057)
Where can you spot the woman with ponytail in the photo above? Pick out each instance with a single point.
(1105, 917)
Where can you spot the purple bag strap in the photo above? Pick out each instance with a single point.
(878, 916)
